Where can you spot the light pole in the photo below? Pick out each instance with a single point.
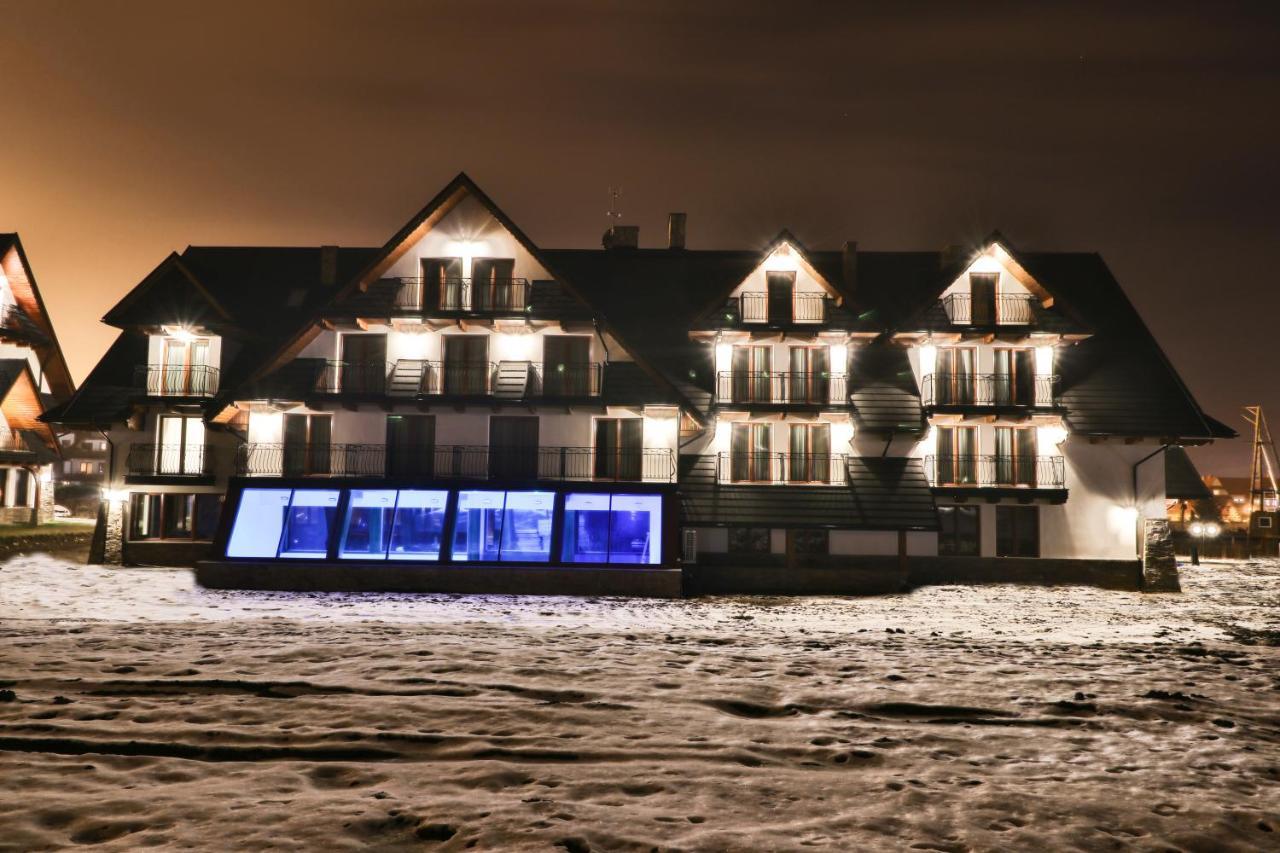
(1201, 530)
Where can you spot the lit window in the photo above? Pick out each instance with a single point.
(368, 529)
(309, 523)
(259, 523)
(419, 525)
(612, 528)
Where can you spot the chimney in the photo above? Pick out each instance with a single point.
(328, 266)
(621, 237)
(849, 259)
(675, 230)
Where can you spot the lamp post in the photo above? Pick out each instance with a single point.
(1201, 530)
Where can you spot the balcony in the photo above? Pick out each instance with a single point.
(986, 390)
(782, 468)
(456, 462)
(491, 297)
(160, 380)
(758, 308)
(183, 461)
(1005, 310)
(996, 472)
(797, 389)
(518, 380)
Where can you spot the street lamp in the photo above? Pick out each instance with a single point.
(1201, 530)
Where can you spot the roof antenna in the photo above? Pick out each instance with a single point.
(614, 215)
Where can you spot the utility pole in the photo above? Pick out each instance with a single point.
(1261, 471)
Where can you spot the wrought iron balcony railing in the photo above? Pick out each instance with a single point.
(456, 461)
(805, 388)
(987, 389)
(414, 378)
(979, 471)
(760, 308)
(161, 380)
(793, 468)
(463, 295)
(170, 460)
(1005, 310)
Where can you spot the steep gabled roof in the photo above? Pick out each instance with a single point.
(22, 282)
(1181, 479)
(170, 293)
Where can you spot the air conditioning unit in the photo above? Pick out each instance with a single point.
(690, 543)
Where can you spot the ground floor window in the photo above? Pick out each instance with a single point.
(749, 540)
(604, 528)
(1017, 531)
(809, 543)
(958, 531)
(173, 516)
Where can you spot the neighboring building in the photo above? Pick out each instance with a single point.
(31, 368)
(461, 409)
(80, 475)
(1187, 497)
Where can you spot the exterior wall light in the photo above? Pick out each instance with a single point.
(115, 496)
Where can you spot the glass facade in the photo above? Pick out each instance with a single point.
(450, 525)
(603, 528)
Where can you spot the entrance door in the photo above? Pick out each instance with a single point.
(466, 366)
(566, 365)
(411, 445)
(513, 447)
(982, 293)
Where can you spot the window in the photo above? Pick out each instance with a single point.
(566, 366)
(750, 458)
(466, 366)
(259, 523)
(418, 529)
(808, 543)
(308, 526)
(809, 460)
(600, 528)
(751, 377)
(956, 463)
(180, 449)
(173, 516)
(781, 288)
(958, 534)
(1015, 379)
(953, 382)
(1017, 531)
(982, 295)
(809, 378)
(364, 364)
(1264, 521)
(411, 441)
(442, 285)
(492, 286)
(306, 445)
(1015, 456)
(503, 526)
(619, 451)
(367, 531)
(749, 540)
(185, 370)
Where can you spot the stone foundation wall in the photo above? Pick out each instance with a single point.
(1159, 565)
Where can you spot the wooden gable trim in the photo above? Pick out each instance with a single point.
(173, 261)
(22, 282)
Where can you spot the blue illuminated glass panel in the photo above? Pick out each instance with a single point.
(368, 529)
(477, 531)
(635, 529)
(309, 523)
(526, 527)
(419, 525)
(259, 523)
(586, 528)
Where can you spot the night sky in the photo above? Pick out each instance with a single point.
(1148, 133)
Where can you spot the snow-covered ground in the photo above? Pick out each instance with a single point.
(149, 713)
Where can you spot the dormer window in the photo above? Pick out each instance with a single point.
(186, 367)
